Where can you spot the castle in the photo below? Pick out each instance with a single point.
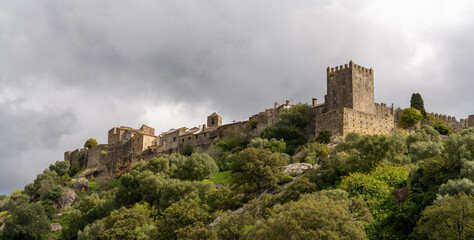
(348, 107)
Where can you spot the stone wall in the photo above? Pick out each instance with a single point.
(94, 155)
(367, 123)
(331, 121)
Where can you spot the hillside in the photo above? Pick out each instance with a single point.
(285, 184)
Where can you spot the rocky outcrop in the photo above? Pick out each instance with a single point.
(297, 168)
(55, 227)
(81, 184)
(69, 196)
(92, 173)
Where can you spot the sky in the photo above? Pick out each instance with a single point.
(72, 70)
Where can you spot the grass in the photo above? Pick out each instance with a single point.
(92, 185)
(221, 177)
(3, 213)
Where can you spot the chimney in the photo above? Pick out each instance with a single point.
(315, 102)
(203, 127)
(275, 104)
(287, 102)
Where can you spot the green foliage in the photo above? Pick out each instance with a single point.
(314, 217)
(258, 168)
(221, 177)
(453, 187)
(294, 190)
(75, 171)
(410, 117)
(441, 128)
(312, 153)
(423, 150)
(252, 125)
(453, 218)
(60, 167)
(459, 147)
(90, 143)
(188, 149)
(26, 222)
(467, 170)
(180, 215)
(393, 175)
(416, 102)
(198, 167)
(121, 223)
(323, 137)
(91, 231)
(223, 198)
(369, 188)
(54, 194)
(423, 134)
(293, 126)
(87, 210)
(196, 231)
(272, 144)
(235, 226)
(368, 151)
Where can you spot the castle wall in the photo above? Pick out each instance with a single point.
(345, 120)
(331, 121)
(94, 155)
(367, 123)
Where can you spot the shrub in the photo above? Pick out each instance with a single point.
(188, 149)
(252, 124)
(323, 137)
(90, 143)
(410, 117)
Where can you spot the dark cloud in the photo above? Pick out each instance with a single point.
(170, 63)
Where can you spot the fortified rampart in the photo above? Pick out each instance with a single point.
(348, 107)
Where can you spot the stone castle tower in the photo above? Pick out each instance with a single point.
(350, 86)
(349, 104)
(214, 120)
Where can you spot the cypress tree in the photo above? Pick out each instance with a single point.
(416, 102)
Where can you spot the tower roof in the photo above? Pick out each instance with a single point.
(214, 114)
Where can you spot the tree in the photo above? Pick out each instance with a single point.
(90, 143)
(311, 218)
(453, 187)
(121, 223)
(293, 126)
(258, 168)
(410, 117)
(452, 218)
(188, 149)
(198, 167)
(441, 128)
(180, 215)
(323, 137)
(60, 167)
(26, 222)
(416, 102)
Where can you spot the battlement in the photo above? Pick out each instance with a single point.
(350, 65)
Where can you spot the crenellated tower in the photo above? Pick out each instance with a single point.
(350, 86)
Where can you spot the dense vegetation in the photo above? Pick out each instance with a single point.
(418, 186)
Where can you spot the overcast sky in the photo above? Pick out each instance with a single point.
(71, 70)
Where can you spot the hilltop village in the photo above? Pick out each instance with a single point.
(348, 107)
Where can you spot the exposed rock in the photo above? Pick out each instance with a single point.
(296, 168)
(55, 227)
(81, 184)
(92, 173)
(68, 198)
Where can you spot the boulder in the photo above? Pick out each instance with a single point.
(81, 184)
(296, 168)
(69, 195)
(55, 227)
(92, 173)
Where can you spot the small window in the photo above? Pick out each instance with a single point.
(174, 139)
(189, 138)
(196, 136)
(204, 134)
(182, 140)
(212, 121)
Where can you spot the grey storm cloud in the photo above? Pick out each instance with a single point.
(71, 70)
